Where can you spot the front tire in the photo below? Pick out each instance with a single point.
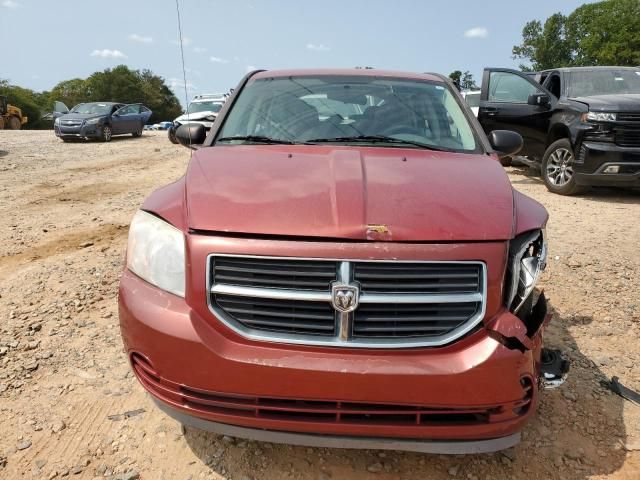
(138, 133)
(171, 133)
(557, 169)
(106, 133)
(14, 123)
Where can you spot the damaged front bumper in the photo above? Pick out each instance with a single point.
(525, 335)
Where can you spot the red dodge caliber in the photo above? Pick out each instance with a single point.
(344, 263)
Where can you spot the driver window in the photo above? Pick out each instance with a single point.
(553, 85)
(509, 87)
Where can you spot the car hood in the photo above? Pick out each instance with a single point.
(349, 193)
(195, 116)
(612, 103)
(80, 116)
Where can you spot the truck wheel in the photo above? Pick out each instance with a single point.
(14, 123)
(557, 169)
(106, 133)
(171, 133)
(138, 133)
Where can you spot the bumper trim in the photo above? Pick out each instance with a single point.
(456, 447)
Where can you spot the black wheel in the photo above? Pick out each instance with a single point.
(106, 133)
(557, 169)
(14, 123)
(171, 133)
(138, 133)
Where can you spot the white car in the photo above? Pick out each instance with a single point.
(472, 97)
(203, 109)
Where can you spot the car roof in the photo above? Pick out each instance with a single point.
(358, 72)
(586, 69)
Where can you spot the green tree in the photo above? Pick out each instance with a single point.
(71, 92)
(603, 33)
(464, 79)
(606, 33)
(455, 76)
(159, 97)
(26, 100)
(120, 84)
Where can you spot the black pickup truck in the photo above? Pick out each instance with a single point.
(581, 125)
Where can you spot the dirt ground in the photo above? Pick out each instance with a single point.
(65, 381)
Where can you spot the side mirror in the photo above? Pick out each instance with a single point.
(539, 99)
(505, 142)
(191, 134)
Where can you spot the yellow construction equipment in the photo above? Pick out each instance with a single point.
(10, 116)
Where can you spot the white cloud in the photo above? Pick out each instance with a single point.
(317, 47)
(106, 53)
(218, 60)
(477, 32)
(177, 85)
(199, 49)
(139, 38)
(186, 41)
(10, 4)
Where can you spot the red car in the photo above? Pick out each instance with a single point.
(344, 263)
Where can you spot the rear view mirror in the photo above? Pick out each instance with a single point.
(505, 142)
(191, 134)
(539, 99)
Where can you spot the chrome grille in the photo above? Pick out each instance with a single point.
(417, 277)
(411, 320)
(273, 273)
(291, 316)
(399, 304)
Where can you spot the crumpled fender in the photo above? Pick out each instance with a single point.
(516, 334)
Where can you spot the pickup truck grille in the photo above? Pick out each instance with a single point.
(627, 135)
(389, 304)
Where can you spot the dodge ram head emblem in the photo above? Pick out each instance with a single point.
(344, 297)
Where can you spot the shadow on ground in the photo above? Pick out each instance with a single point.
(578, 432)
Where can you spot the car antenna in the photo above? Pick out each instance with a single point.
(184, 70)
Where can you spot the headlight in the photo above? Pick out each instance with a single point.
(599, 116)
(93, 121)
(155, 252)
(527, 259)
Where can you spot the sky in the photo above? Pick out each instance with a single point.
(45, 42)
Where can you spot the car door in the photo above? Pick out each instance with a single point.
(126, 119)
(59, 109)
(512, 100)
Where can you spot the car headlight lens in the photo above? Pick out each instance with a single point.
(93, 121)
(57, 121)
(155, 252)
(600, 116)
(527, 259)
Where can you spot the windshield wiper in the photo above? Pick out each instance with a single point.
(376, 139)
(257, 139)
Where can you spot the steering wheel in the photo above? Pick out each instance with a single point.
(395, 129)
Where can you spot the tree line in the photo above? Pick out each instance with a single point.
(603, 33)
(119, 84)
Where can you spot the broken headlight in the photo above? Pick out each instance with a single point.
(527, 259)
